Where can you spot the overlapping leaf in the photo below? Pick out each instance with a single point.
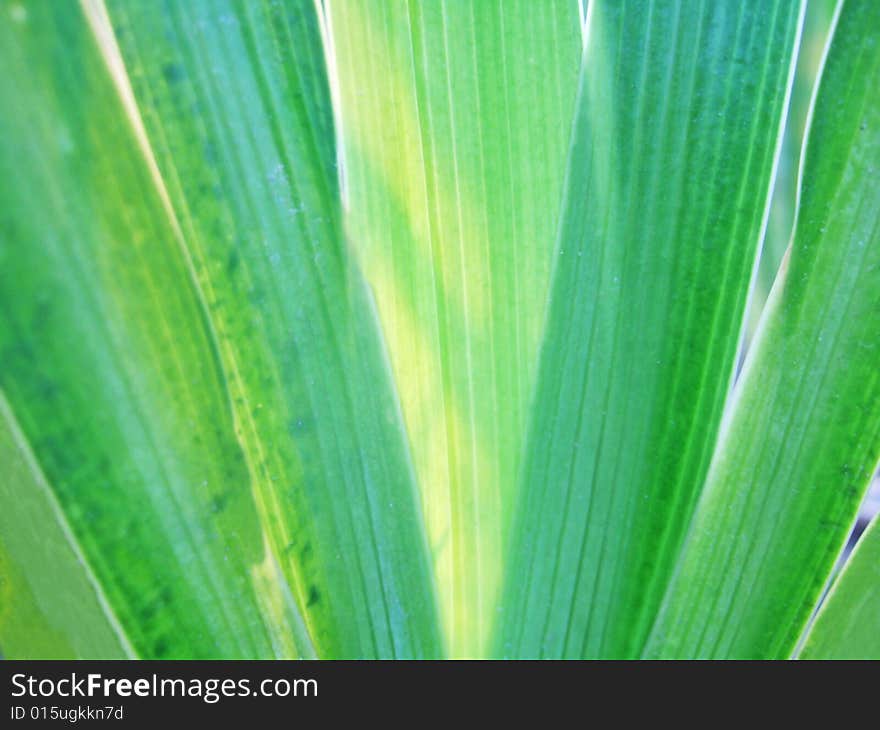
(236, 104)
(802, 437)
(455, 119)
(188, 351)
(206, 448)
(50, 604)
(106, 361)
(672, 156)
(848, 624)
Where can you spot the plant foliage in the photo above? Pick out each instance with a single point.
(389, 328)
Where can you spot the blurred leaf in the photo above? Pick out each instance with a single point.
(677, 129)
(802, 437)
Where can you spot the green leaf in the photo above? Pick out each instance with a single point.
(455, 119)
(409, 329)
(236, 104)
(814, 38)
(802, 436)
(189, 353)
(673, 151)
(51, 606)
(848, 623)
(106, 362)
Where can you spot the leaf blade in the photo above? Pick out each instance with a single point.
(800, 444)
(847, 624)
(680, 104)
(54, 608)
(86, 354)
(235, 101)
(455, 122)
